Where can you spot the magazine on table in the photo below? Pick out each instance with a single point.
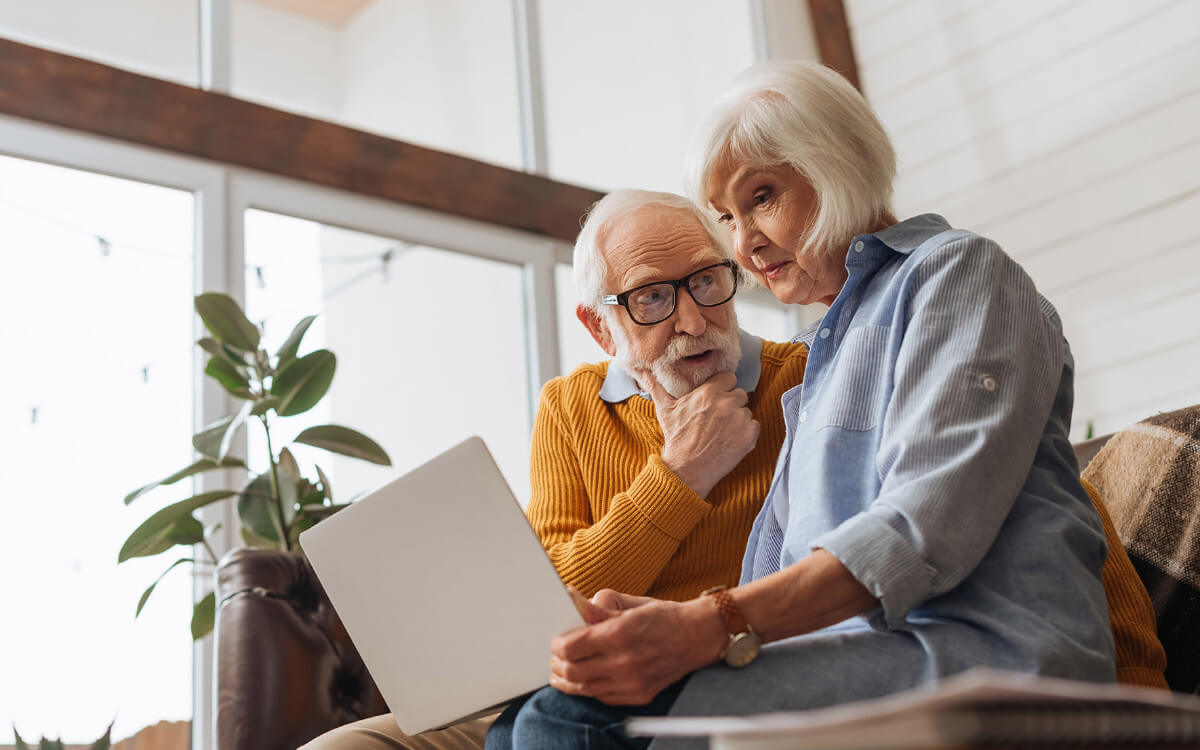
(976, 707)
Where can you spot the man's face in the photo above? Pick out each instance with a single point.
(659, 243)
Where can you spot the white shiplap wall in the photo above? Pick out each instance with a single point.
(1068, 131)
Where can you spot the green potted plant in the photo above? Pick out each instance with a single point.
(277, 504)
(104, 743)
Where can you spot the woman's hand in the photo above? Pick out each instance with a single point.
(618, 602)
(634, 654)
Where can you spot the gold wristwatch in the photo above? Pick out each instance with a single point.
(744, 644)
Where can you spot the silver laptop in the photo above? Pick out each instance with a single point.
(444, 589)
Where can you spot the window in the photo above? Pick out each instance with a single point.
(159, 38)
(95, 311)
(441, 73)
(430, 343)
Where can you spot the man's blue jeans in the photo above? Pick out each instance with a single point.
(552, 720)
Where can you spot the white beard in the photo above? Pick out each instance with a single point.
(725, 343)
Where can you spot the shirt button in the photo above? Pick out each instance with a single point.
(989, 383)
(804, 415)
(824, 333)
(858, 246)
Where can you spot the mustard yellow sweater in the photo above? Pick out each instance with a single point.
(612, 515)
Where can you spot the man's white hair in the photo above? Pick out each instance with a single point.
(589, 266)
(806, 116)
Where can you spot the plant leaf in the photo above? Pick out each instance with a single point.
(230, 378)
(199, 467)
(287, 462)
(315, 497)
(289, 485)
(233, 356)
(203, 615)
(257, 511)
(150, 534)
(20, 743)
(345, 441)
(302, 524)
(288, 351)
(225, 320)
(150, 590)
(215, 440)
(230, 432)
(212, 346)
(321, 512)
(207, 441)
(254, 540)
(326, 487)
(304, 382)
(105, 742)
(186, 531)
(157, 544)
(263, 405)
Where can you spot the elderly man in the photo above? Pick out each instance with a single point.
(646, 501)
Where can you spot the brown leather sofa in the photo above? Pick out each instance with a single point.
(286, 670)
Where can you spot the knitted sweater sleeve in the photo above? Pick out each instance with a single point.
(621, 544)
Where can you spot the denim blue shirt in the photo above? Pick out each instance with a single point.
(928, 450)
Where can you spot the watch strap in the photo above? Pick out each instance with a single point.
(731, 614)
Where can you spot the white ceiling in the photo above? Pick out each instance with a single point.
(329, 12)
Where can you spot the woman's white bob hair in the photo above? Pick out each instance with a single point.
(806, 116)
(589, 266)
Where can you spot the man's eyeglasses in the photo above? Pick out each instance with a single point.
(653, 303)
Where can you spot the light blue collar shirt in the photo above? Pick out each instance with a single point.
(927, 450)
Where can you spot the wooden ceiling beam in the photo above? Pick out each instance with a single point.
(834, 44)
(57, 89)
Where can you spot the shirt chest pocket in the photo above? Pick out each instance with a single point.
(852, 393)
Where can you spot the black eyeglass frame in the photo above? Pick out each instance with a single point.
(622, 299)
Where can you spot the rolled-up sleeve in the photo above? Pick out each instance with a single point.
(973, 387)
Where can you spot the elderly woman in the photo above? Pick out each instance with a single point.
(926, 515)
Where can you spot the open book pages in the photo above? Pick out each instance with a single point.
(976, 706)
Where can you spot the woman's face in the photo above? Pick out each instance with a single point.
(770, 210)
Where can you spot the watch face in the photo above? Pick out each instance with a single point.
(742, 649)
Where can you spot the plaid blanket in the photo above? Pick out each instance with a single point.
(1149, 477)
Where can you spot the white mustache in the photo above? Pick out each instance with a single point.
(686, 346)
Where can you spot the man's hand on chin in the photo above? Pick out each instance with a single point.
(706, 432)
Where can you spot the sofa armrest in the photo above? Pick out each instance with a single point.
(286, 670)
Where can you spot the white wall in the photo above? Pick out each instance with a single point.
(441, 74)
(115, 32)
(287, 61)
(1069, 131)
(627, 80)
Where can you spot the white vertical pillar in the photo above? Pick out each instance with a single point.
(218, 268)
(541, 320)
(529, 86)
(783, 30)
(216, 45)
(758, 27)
